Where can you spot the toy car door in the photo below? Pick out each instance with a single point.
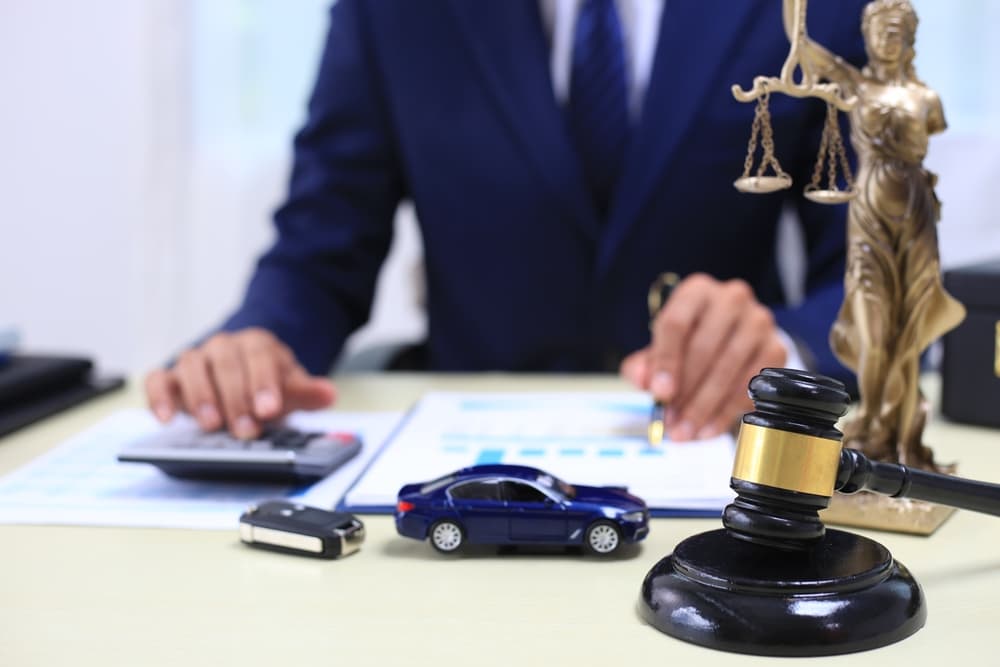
(534, 515)
(481, 510)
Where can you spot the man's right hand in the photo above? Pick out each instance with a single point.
(238, 381)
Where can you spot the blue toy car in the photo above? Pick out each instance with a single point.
(508, 504)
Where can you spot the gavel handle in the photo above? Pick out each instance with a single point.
(857, 473)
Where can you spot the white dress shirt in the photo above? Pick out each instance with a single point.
(640, 21)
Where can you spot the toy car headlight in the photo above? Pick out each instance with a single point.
(633, 516)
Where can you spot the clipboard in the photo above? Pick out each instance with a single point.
(582, 438)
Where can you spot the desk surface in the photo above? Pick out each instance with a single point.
(104, 596)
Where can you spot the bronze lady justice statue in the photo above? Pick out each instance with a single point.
(894, 304)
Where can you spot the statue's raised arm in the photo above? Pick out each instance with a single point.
(813, 57)
(805, 66)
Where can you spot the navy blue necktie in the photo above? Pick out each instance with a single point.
(598, 97)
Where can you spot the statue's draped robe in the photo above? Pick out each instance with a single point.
(893, 270)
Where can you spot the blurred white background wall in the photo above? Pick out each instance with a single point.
(145, 143)
(143, 146)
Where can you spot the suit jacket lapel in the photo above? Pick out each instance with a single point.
(684, 71)
(510, 47)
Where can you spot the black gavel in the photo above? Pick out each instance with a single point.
(775, 581)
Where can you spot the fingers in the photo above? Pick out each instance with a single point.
(226, 365)
(715, 330)
(197, 390)
(672, 330)
(238, 381)
(162, 395)
(636, 368)
(306, 392)
(727, 416)
(710, 338)
(721, 397)
(265, 365)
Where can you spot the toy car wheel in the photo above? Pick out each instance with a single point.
(602, 538)
(446, 536)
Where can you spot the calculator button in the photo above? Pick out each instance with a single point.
(285, 438)
(300, 441)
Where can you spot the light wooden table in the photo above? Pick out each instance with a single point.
(128, 596)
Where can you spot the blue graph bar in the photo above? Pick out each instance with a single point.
(575, 451)
(489, 456)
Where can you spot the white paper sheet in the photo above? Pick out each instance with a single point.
(81, 482)
(584, 438)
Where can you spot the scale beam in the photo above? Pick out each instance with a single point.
(762, 85)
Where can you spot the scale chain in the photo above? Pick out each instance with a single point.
(752, 144)
(767, 139)
(832, 149)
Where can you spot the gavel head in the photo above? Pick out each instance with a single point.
(787, 457)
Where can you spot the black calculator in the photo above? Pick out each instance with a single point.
(280, 454)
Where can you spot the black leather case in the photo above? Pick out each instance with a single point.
(970, 367)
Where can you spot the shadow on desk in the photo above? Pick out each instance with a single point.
(406, 548)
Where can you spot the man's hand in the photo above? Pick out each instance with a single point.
(237, 381)
(708, 340)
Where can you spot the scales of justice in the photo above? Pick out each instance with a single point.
(894, 305)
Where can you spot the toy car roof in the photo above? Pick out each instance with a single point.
(521, 472)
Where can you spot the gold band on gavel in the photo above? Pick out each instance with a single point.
(786, 460)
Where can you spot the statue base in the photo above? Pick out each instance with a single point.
(842, 594)
(899, 515)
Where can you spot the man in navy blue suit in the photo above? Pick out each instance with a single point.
(561, 154)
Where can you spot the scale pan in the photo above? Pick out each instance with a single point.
(762, 184)
(830, 196)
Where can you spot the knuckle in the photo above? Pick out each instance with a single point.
(259, 349)
(261, 344)
(739, 291)
(761, 318)
(255, 335)
(190, 357)
(673, 319)
(218, 343)
(699, 282)
(260, 337)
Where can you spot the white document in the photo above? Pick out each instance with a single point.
(81, 482)
(583, 438)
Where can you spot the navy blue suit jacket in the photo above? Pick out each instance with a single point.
(450, 103)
